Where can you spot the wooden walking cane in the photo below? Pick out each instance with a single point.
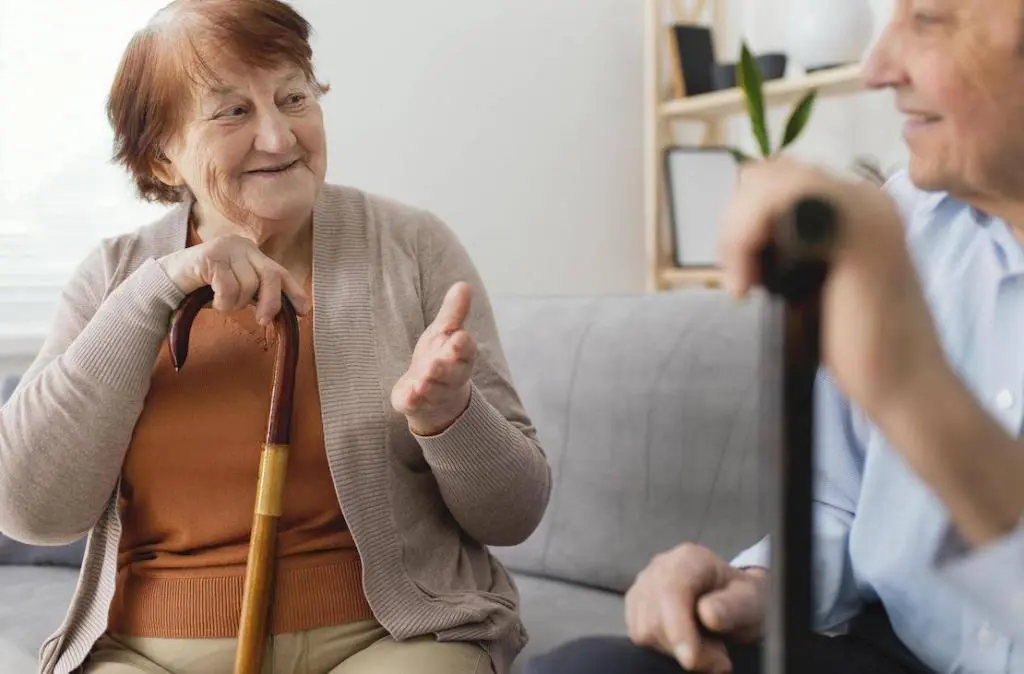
(259, 574)
(794, 268)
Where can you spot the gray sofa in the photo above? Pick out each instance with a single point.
(648, 409)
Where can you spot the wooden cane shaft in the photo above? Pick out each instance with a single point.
(270, 488)
(259, 574)
(256, 599)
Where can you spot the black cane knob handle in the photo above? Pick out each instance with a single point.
(794, 265)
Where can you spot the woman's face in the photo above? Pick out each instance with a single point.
(253, 148)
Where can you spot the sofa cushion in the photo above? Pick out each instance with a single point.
(555, 612)
(19, 554)
(33, 602)
(647, 408)
(7, 387)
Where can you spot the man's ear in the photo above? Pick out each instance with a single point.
(165, 171)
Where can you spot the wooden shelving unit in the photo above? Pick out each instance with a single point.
(710, 111)
(714, 106)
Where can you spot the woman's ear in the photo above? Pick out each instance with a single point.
(165, 171)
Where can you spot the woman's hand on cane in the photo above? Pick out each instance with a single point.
(238, 271)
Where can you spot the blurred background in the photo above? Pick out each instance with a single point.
(527, 126)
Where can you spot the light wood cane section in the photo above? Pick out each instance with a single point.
(710, 111)
(258, 595)
(270, 488)
(259, 572)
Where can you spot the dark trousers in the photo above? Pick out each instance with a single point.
(870, 647)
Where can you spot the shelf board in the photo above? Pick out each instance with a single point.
(834, 82)
(674, 276)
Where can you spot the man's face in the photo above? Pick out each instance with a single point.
(957, 69)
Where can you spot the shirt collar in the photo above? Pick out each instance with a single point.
(1008, 249)
(942, 201)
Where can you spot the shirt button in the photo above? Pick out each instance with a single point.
(1004, 400)
(986, 637)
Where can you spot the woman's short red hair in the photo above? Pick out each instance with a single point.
(164, 63)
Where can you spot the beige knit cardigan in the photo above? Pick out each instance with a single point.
(421, 510)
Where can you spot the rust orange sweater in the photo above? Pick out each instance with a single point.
(189, 487)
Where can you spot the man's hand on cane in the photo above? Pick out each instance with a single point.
(880, 345)
(878, 338)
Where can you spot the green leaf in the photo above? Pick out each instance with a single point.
(740, 156)
(798, 119)
(750, 80)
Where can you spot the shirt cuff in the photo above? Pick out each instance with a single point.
(991, 577)
(758, 555)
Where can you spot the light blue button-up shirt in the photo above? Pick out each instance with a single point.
(881, 533)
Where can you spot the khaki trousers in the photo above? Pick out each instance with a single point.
(358, 648)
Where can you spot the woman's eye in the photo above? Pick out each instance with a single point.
(295, 100)
(236, 111)
(924, 20)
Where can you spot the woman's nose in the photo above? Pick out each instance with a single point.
(274, 133)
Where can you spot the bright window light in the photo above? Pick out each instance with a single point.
(59, 191)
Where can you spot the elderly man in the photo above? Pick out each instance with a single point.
(919, 502)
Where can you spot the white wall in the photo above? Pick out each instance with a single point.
(521, 124)
(517, 122)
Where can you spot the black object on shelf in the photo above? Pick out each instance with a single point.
(723, 75)
(694, 47)
(772, 67)
(794, 269)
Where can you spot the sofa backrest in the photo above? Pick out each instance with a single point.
(647, 408)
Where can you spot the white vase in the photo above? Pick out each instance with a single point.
(826, 33)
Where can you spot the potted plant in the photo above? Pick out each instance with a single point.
(751, 82)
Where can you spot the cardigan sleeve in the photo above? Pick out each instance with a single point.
(65, 429)
(493, 474)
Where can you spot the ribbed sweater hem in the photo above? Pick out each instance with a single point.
(193, 607)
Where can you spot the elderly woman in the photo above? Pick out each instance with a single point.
(410, 453)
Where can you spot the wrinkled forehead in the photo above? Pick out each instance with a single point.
(226, 76)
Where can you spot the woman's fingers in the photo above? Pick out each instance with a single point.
(249, 282)
(408, 396)
(225, 285)
(269, 301)
(241, 274)
(461, 347)
(294, 290)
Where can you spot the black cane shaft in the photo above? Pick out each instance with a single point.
(794, 269)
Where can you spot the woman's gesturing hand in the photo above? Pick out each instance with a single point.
(434, 391)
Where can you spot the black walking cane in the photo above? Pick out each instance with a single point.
(794, 267)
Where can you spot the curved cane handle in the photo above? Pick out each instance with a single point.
(794, 265)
